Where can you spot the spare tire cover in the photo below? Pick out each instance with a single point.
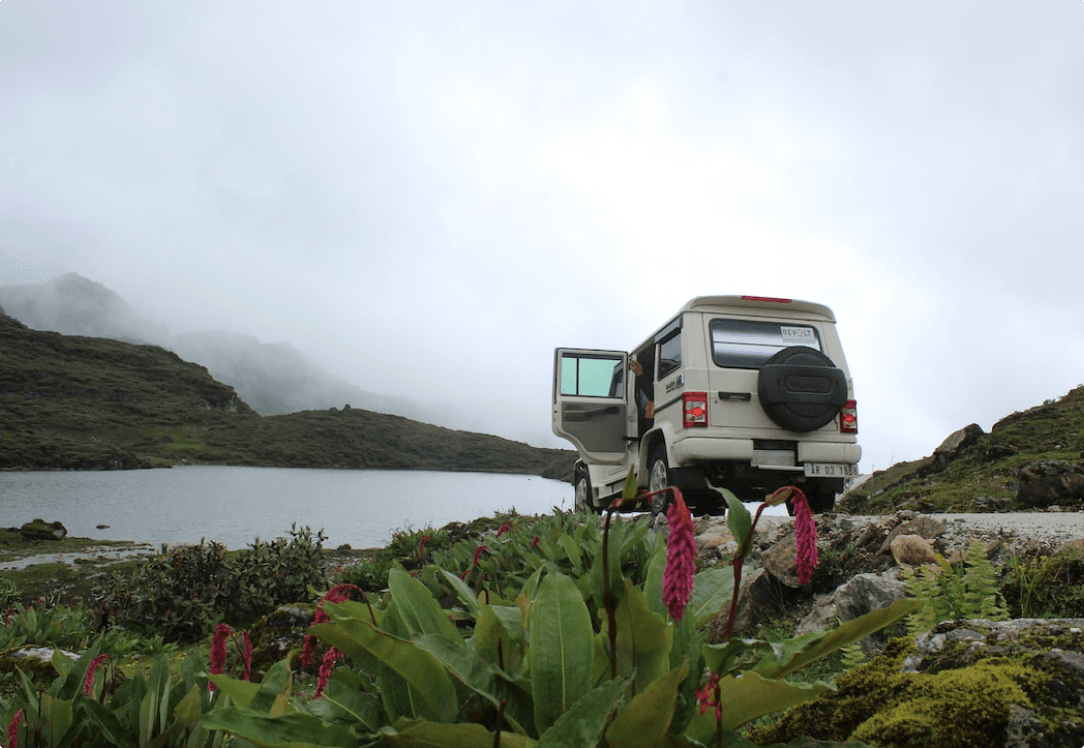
(801, 389)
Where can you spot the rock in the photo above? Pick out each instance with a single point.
(956, 442)
(757, 594)
(781, 562)
(923, 526)
(856, 597)
(1048, 483)
(912, 550)
(39, 529)
(41, 655)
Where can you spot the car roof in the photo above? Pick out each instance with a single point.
(776, 306)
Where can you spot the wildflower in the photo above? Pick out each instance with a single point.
(326, 668)
(805, 537)
(477, 553)
(12, 737)
(7, 616)
(708, 696)
(421, 547)
(506, 527)
(218, 651)
(88, 681)
(677, 580)
(336, 594)
(534, 542)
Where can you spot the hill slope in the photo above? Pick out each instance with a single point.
(73, 402)
(1032, 459)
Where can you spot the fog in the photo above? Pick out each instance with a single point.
(425, 200)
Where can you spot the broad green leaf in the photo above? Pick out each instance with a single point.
(463, 592)
(418, 668)
(712, 593)
(583, 724)
(644, 721)
(560, 648)
(421, 613)
(800, 652)
(240, 692)
(105, 721)
(345, 699)
(273, 695)
(739, 520)
(653, 583)
(749, 696)
(573, 552)
(643, 639)
(498, 637)
(421, 734)
(287, 731)
(630, 489)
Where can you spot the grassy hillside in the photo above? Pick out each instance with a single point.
(71, 402)
(980, 477)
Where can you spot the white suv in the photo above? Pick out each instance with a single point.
(738, 392)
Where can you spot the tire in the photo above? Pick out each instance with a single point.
(800, 389)
(822, 498)
(582, 492)
(658, 478)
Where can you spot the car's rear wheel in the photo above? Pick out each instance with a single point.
(658, 479)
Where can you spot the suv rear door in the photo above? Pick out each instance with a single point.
(589, 403)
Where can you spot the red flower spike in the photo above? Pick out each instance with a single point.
(506, 527)
(327, 667)
(337, 594)
(478, 552)
(88, 681)
(421, 547)
(12, 737)
(805, 537)
(707, 698)
(677, 579)
(534, 543)
(218, 651)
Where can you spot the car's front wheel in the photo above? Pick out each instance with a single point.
(658, 478)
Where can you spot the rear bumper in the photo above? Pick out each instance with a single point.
(692, 450)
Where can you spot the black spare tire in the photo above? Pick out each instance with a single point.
(801, 389)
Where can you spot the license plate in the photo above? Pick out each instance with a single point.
(830, 470)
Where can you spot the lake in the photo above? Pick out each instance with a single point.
(235, 505)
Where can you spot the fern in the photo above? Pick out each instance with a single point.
(969, 590)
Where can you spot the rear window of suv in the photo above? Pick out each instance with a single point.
(747, 344)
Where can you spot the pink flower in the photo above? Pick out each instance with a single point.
(218, 651)
(805, 537)
(477, 553)
(677, 579)
(326, 668)
(421, 547)
(336, 594)
(88, 681)
(708, 698)
(506, 527)
(12, 737)
(534, 542)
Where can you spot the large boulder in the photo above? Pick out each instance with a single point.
(956, 443)
(859, 595)
(39, 529)
(1047, 483)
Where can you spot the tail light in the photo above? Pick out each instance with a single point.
(695, 408)
(848, 418)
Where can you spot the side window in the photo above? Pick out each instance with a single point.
(670, 354)
(592, 376)
(747, 344)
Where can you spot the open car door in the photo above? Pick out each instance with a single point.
(589, 404)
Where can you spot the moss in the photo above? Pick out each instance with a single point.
(880, 705)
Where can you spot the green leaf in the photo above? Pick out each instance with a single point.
(287, 731)
(421, 734)
(345, 699)
(630, 489)
(573, 552)
(739, 520)
(643, 639)
(240, 692)
(561, 651)
(645, 720)
(712, 591)
(800, 652)
(419, 610)
(746, 698)
(583, 724)
(463, 592)
(421, 670)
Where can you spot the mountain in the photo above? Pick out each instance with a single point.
(79, 402)
(1032, 459)
(273, 378)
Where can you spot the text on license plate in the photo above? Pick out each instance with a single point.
(830, 470)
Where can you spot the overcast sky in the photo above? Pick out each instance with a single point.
(428, 198)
